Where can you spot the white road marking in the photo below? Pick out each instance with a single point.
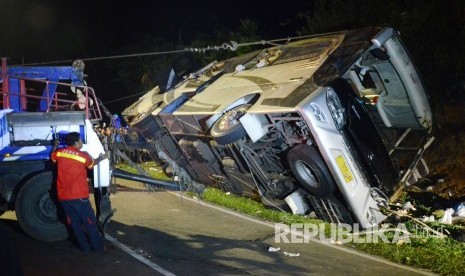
(138, 256)
(374, 258)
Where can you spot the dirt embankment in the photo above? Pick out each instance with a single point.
(446, 156)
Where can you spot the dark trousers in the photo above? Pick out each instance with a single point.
(79, 212)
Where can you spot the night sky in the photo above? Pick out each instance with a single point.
(57, 30)
(60, 30)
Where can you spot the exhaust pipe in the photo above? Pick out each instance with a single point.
(158, 183)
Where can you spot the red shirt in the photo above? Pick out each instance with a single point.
(72, 172)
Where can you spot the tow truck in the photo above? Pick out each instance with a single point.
(40, 104)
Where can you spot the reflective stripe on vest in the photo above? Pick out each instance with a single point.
(71, 156)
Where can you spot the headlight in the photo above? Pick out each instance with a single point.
(335, 106)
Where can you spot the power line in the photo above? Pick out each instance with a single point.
(232, 46)
(111, 57)
(126, 97)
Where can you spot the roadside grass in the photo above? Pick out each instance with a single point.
(253, 208)
(152, 168)
(444, 256)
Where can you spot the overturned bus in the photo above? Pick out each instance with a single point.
(331, 124)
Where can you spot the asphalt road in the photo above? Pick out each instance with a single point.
(163, 233)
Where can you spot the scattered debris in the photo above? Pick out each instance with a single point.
(401, 212)
(276, 249)
(291, 254)
(336, 242)
(400, 242)
(408, 206)
(273, 249)
(428, 219)
(438, 213)
(143, 253)
(447, 217)
(430, 209)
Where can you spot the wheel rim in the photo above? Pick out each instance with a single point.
(38, 212)
(307, 174)
(47, 209)
(229, 120)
